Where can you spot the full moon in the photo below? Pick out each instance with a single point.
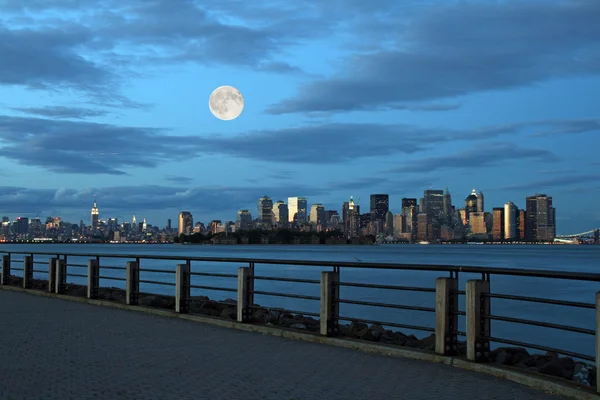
(226, 103)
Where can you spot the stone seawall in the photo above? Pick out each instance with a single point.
(548, 363)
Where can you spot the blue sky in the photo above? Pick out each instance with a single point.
(343, 97)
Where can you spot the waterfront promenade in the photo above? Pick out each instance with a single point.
(57, 349)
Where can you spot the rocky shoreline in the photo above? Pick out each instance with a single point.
(548, 364)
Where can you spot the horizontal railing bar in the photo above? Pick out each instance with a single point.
(293, 296)
(543, 348)
(461, 333)
(542, 324)
(16, 269)
(278, 279)
(390, 287)
(539, 273)
(458, 312)
(401, 326)
(77, 265)
(40, 263)
(17, 261)
(459, 292)
(161, 271)
(112, 267)
(78, 275)
(156, 282)
(286, 311)
(540, 300)
(212, 288)
(386, 305)
(40, 271)
(214, 274)
(112, 278)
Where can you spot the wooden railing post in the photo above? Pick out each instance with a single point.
(60, 276)
(133, 283)
(244, 295)
(27, 271)
(182, 290)
(5, 278)
(446, 305)
(52, 274)
(598, 342)
(478, 326)
(93, 278)
(329, 305)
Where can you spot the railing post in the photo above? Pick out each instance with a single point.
(329, 304)
(133, 283)
(52, 274)
(598, 342)
(182, 290)
(93, 278)
(27, 271)
(5, 270)
(244, 300)
(446, 304)
(61, 276)
(478, 326)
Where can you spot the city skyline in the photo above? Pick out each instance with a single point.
(120, 107)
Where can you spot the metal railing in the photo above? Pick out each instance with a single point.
(188, 276)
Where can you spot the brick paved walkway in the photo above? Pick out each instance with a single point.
(56, 349)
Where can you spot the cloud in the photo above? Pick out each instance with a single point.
(493, 154)
(460, 48)
(558, 181)
(556, 171)
(179, 179)
(62, 112)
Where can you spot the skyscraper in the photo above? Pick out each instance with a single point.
(546, 227)
(380, 205)
(297, 207)
(317, 212)
(433, 203)
(480, 202)
(186, 223)
(447, 203)
(265, 211)
(243, 220)
(510, 221)
(498, 223)
(470, 204)
(280, 213)
(95, 214)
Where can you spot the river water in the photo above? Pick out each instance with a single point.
(566, 258)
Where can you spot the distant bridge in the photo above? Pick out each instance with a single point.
(590, 232)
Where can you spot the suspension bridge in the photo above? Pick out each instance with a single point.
(577, 235)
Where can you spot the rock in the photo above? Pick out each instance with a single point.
(230, 313)
(509, 355)
(298, 326)
(429, 342)
(562, 367)
(387, 337)
(229, 301)
(377, 331)
(356, 327)
(582, 373)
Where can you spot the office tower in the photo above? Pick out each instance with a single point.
(355, 222)
(510, 221)
(498, 223)
(388, 228)
(243, 221)
(433, 203)
(95, 214)
(422, 227)
(169, 225)
(380, 205)
(477, 223)
(447, 203)
(265, 211)
(522, 233)
(421, 205)
(317, 212)
(531, 218)
(399, 222)
(408, 202)
(281, 214)
(470, 205)
(545, 220)
(22, 226)
(346, 216)
(480, 202)
(297, 207)
(186, 223)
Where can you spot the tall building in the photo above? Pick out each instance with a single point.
(540, 218)
(389, 223)
(186, 223)
(510, 221)
(480, 202)
(470, 205)
(346, 216)
(531, 219)
(280, 213)
(95, 214)
(447, 203)
(433, 203)
(399, 222)
(498, 223)
(422, 227)
(265, 211)
(522, 233)
(477, 223)
(169, 225)
(317, 214)
(380, 205)
(354, 220)
(22, 226)
(243, 220)
(297, 207)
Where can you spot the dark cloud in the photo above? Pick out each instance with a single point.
(179, 179)
(493, 154)
(558, 181)
(456, 49)
(62, 112)
(557, 171)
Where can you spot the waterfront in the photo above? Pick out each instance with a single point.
(570, 258)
